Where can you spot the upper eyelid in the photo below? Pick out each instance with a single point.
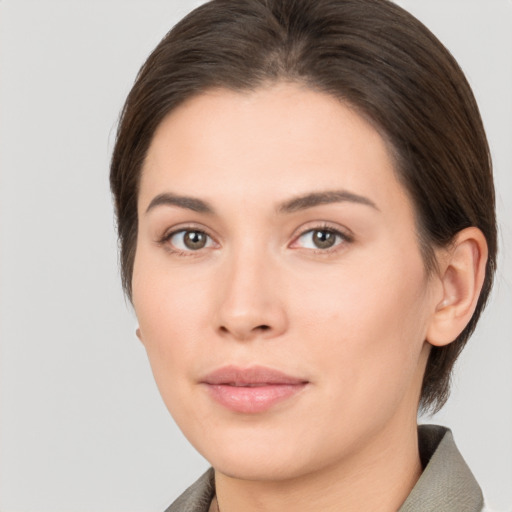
(323, 225)
(168, 233)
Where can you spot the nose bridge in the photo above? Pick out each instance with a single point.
(250, 304)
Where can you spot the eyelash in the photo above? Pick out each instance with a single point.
(342, 239)
(165, 240)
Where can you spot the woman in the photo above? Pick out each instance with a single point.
(306, 215)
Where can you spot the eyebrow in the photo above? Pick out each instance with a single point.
(189, 203)
(319, 198)
(293, 205)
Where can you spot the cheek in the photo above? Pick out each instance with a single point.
(169, 322)
(366, 327)
(171, 314)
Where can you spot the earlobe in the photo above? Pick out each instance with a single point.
(138, 334)
(462, 273)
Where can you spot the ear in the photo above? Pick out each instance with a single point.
(138, 334)
(462, 273)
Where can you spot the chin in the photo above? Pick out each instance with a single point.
(258, 468)
(261, 454)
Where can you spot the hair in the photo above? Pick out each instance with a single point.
(373, 56)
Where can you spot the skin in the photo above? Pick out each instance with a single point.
(351, 320)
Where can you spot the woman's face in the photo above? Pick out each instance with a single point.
(278, 282)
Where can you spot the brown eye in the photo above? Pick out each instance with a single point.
(194, 240)
(321, 239)
(324, 239)
(190, 240)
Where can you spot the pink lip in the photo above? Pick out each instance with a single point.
(251, 390)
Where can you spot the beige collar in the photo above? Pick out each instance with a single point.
(446, 484)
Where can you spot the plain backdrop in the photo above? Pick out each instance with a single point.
(82, 427)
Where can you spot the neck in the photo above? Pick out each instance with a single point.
(379, 477)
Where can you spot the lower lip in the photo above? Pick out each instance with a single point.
(251, 400)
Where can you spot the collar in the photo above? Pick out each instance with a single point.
(446, 484)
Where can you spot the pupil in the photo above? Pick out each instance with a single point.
(324, 239)
(195, 240)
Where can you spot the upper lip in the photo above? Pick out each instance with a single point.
(252, 376)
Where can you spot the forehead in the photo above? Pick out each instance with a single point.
(277, 140)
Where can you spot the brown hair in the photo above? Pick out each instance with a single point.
(369, 53)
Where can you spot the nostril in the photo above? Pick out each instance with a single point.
(261, 328)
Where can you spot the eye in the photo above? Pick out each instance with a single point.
(187, 240)
(321, 238)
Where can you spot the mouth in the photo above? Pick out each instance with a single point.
(251, 390)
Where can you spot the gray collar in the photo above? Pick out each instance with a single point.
(446, 484)
(197, 497)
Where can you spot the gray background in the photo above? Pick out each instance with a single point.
(82, 427)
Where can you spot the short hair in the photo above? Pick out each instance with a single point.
(373, 56)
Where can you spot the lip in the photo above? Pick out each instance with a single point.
(251, 390)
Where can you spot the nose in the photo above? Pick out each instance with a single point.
(251, 302)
